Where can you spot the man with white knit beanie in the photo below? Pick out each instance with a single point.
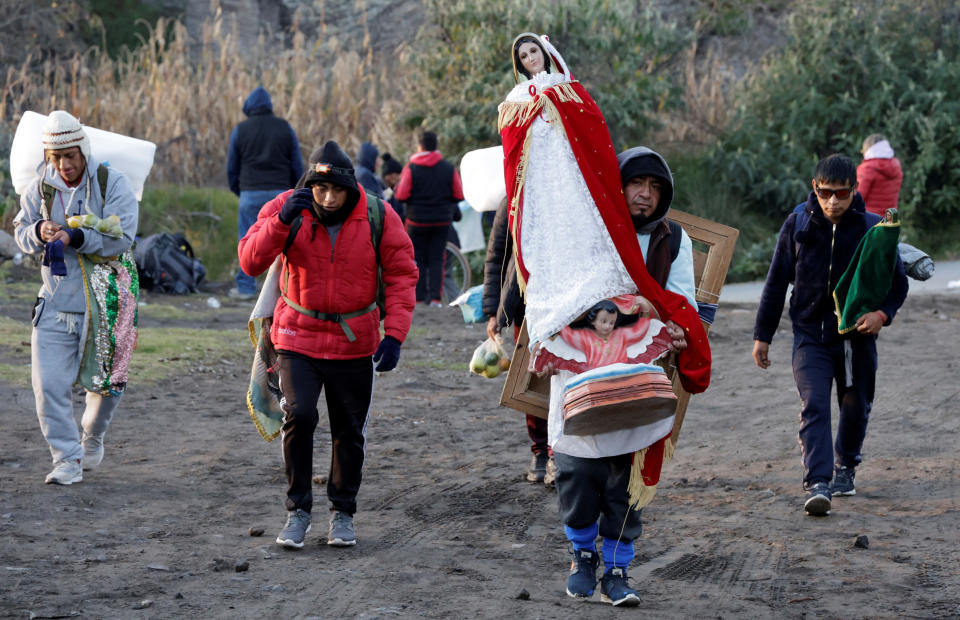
(68, 184)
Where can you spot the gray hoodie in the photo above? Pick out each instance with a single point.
(65, 293)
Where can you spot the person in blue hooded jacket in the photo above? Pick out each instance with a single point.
(364, 170)
(816, 244)
(263, 160)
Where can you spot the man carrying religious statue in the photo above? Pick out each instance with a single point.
(848, 283)
(82, 216)
(564, 186)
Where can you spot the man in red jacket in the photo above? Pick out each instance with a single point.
(879, 175)
(431, 188)
(326, 327)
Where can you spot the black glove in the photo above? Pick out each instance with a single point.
(297, 202)
(388, 354)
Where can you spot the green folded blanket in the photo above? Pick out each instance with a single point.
(867, 280)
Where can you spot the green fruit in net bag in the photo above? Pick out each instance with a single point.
(491, 358)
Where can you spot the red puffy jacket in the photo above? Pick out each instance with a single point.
(878, 181)
(338, 278)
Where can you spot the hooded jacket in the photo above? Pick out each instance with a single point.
(655, 235)
(812, 257)
(335, 275)
(431, 187)
(364, 170)
(879, 177)
(66, 293)
(264, 153)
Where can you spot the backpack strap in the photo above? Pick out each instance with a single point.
(103, 173)
(676, 236)
(376, 214)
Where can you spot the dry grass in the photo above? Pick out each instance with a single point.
(186, 95)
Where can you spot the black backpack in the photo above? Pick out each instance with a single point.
(167, 264)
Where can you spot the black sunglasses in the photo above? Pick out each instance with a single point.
(841, 194)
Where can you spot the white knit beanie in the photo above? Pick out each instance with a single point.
(62, 131)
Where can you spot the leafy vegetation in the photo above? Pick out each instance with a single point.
(462, 69)
(848, 70)
(206, 215)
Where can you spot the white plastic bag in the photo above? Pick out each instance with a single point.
(481, 172)
(489, 359)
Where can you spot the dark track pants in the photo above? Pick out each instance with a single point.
(592, 489)
(429, 241)
(349, 388)
(816, 367)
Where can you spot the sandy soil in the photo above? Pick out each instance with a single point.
(448, 527)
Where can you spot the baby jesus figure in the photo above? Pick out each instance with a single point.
(612, 331)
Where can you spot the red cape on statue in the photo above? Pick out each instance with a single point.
(590, 142)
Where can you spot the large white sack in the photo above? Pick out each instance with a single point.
(481, 172)
(470, 229)
(131, 156)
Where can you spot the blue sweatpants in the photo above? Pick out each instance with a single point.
(817, 365)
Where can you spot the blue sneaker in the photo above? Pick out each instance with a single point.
(843, 481)
(818, 499)
(615, 589)
(583, 574)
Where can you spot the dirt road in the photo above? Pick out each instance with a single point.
(447, 526)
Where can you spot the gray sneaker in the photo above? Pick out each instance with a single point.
(293, 533)
(341, 533)
(92, 451)
(65, 472)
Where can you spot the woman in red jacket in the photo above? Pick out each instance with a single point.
(326, 327)
(879, 175)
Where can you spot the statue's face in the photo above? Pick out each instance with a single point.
(604, 323)
(531, 57)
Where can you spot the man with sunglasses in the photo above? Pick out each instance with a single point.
(816, 244)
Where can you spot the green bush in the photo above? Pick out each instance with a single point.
(462, 68)
(206, 215)
(700, 190)
(850, 69)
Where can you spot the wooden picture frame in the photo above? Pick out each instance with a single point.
(713, 246)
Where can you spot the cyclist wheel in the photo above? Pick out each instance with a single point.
(456, 273)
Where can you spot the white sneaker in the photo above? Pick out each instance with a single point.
(65, 472)
(92, 451)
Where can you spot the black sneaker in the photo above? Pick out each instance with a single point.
(843, 481)
(538, 467)
(818, 499)
(583, 574)
(616, 590)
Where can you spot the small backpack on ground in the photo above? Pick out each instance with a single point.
(167, 264)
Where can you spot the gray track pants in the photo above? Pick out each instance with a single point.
(55, 357)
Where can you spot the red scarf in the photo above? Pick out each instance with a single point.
(590, 141)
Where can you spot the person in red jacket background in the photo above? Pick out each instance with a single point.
(431, 188)
(879, 175)
(326, 327)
